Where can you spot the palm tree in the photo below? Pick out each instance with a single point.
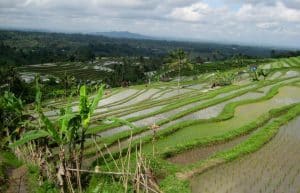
(67, 82)
(177, 60)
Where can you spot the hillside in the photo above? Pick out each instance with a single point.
(123, 34)
(22, 48)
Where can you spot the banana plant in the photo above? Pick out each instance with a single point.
(48, 129)
(12, 117)
(87, 108)
(63, 130)
(69, 130)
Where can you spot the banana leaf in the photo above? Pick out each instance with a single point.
(29, 136)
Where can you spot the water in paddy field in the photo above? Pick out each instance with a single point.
(274, 168)
(243, 115)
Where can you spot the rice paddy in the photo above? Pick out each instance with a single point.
(273, 168)
(196, 124)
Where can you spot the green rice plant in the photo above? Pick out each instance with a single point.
(227, 113)
(256, 141)
(176, 104)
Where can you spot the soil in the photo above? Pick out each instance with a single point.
(17, 180)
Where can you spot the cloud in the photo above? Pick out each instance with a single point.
(276, 12)
(195, 12)
(267, 25)
(266, 21)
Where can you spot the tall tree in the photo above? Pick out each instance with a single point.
(67, 82)
(178, 60)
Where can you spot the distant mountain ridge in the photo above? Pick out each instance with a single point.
(123, 34)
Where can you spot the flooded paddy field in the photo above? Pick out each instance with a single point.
(273, 168)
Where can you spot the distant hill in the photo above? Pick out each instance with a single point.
(123, 34)
(23, 47)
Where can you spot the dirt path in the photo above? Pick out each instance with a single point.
(17, 180)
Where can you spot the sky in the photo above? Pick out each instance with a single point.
(258, 22)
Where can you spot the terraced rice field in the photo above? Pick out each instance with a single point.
(77, 69)
(274, 168)
(283, 63)
(244, 114)
(197, 123)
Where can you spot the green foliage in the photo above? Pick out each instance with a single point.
(18, 48)
(177, 61)
(171, 184)
(64, 132)
(29, 136)
(10, 81)
(226, 114)
(65, 129)
(7, 161)
(67, 82)
(87, 107)
(11, 116)
(11, 103)
(104, 184)
(262, 136)
(122, 122)
(48, 126)
(285, 54)
(252, 144)
(33, 182)
(223, 78)
(169, 107)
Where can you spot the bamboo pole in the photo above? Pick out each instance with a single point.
(99, 150)
(99, 172)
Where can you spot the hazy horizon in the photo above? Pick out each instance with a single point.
(253, 22)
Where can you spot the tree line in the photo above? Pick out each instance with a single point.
(22, 48)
